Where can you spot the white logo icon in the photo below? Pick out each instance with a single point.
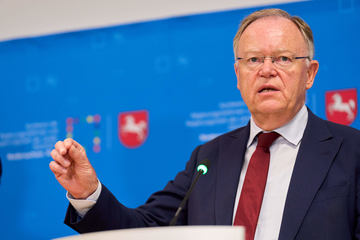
(339, 106)
(132, 127)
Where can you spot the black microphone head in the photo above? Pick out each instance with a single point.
(204, 166)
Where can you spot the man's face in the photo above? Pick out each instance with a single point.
(272, 36)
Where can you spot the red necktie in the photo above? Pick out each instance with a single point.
(252, 193)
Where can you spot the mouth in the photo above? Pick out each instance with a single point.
(268, 89)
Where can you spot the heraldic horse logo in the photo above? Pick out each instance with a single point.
(340, 106)
(132, 127)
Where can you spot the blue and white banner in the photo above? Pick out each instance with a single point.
(133, 95)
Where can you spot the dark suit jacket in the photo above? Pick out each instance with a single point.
(323, 199)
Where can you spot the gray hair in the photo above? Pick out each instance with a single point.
(301, 24)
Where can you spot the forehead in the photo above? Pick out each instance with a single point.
(272, 34)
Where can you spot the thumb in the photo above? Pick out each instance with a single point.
(77, 153)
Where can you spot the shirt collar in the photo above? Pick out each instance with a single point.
(292, 131)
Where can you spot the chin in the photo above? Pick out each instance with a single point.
(270, 108)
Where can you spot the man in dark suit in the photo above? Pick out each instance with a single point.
(312, 180)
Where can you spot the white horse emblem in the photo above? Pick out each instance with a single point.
(132, 127)
(339, 106)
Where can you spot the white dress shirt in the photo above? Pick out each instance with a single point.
(82, 206)
(283, 154)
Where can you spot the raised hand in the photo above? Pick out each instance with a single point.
(72, 169)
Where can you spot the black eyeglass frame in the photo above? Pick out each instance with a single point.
(272, 58)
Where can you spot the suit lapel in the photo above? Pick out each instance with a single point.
(231, 158)
(317, 151)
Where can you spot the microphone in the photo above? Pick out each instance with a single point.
(202, 169)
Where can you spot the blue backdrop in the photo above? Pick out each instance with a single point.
(179, 72)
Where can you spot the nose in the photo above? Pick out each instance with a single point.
(267, 68)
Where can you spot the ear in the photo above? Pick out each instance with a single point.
(311, 73)
(237, 74)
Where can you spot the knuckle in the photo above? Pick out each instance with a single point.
(56, 156)
(59, 145)
(52, 166)
(53, 153)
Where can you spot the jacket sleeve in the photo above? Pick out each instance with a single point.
(109, 214)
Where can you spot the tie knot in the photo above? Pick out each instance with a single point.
(266, 139)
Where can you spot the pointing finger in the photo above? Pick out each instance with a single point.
(69, 142)
(73, 142)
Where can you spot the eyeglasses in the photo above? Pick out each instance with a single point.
(283, 61)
